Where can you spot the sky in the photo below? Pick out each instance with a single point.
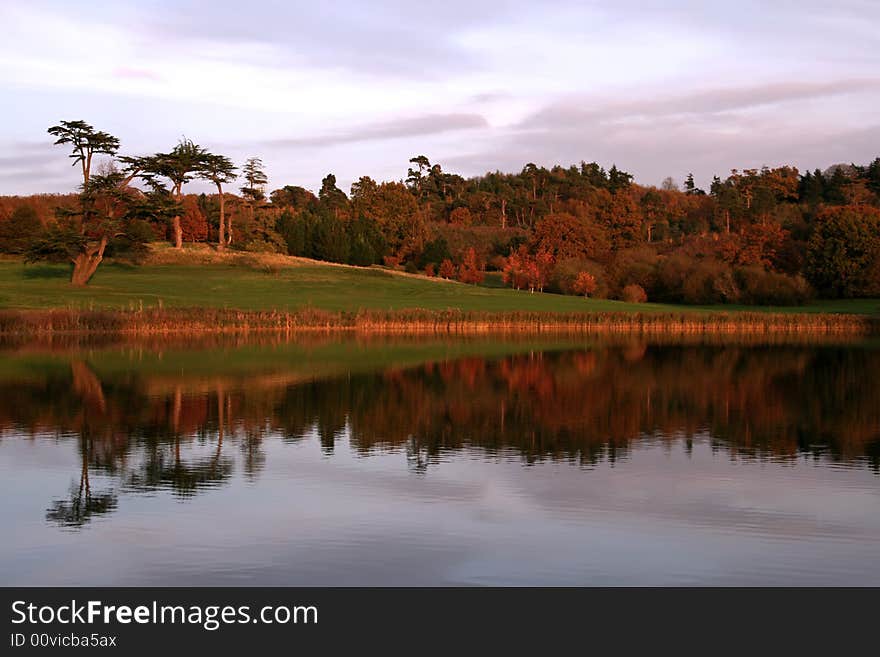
(357, 88)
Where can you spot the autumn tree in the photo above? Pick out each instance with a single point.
(566, 236)
(470, 270)
(584, 284)
(447, 269)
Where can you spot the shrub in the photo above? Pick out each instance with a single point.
(634, 293)
(699, 286)
(634, 266)
(770, 288)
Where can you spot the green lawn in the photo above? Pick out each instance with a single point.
(319, 286)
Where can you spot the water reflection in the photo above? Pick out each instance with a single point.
(143, 423)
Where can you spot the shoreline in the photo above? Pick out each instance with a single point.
(203, 321)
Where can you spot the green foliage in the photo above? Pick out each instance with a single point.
(843, 253)
(131, 242)
(367, 245)
(85, 142)
(255, 179)
(435, 252)
(59, 243)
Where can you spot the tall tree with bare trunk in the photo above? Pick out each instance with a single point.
(219, 170)
(81, 236)
(179, 166)
(86, 142)
(254, 189)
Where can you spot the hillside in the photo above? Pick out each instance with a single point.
(200, 277)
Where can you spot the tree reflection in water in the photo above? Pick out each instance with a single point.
(144, 432)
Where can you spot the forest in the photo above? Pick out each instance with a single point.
(755, 236)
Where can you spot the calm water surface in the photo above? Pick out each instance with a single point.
(428, 462)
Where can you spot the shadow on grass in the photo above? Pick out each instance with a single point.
(45, 271)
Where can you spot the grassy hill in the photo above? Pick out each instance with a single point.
(196, 278)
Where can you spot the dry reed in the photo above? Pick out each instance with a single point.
(170, 321)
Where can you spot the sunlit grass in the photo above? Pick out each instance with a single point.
(311, 285)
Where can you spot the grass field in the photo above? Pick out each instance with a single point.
(309, 285)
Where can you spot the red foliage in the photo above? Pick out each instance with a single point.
(447, 269)
(193, 221)
(522, 269)
(470, 270)
(584, 284)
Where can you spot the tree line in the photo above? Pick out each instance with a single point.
(770, 235)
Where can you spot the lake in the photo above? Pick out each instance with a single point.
(431, 461)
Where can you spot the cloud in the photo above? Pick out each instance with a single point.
(708, 131)
(126, 72)
(709, 101)
(658, 87)
(394, 39)
(433, 124)
(36, 167)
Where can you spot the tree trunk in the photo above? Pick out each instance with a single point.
(229, 230)
(175, 223)
(178, 233)
(221, 241)
(85, 264)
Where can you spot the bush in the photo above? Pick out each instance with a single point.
(770, 288)
(699, 285)
(634, 293)
(634, 266)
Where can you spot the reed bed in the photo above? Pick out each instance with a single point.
(194, 321)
